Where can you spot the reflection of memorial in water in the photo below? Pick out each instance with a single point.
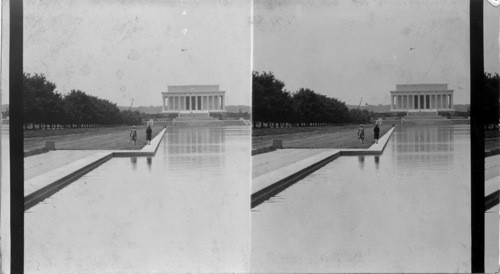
(423, 145)
(195, 145)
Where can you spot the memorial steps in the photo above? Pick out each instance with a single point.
(195, 119)
(423, 115)
(195, 116)
(428, 118)
(204, 119)
(234, 123)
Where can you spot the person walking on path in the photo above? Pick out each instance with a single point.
(376, 132)
(133, 135)
(149, 131)
(361, 134)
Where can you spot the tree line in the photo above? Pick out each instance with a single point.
(491, 100)
(44, 107)
(274, 106)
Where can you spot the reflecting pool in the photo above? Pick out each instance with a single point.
(407, 210)
(183, 210)
(5, 199)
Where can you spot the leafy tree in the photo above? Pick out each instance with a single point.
(41, 103)
(273, 104)
(491, 99)
(270, 101)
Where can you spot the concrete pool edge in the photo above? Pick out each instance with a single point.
(271, 183)
(275, 181)
(147, 150)
(50, 182)
(374, 149)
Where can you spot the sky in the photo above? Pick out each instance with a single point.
(124, 50)
(347, 49)
(361, 49)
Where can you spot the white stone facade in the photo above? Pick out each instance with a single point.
(422, 97)
(193, 98)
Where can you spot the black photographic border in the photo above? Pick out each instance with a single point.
(17, 157)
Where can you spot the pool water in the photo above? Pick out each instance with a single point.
(5, 199)
(407, 210)
(183, 210)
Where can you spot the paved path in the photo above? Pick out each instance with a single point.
(112, 138)
(39, 164)
(281, 168)
(328, 137)
(492, 174)
(293, 163)
(267, 162)
(44, 179)
(46, 173)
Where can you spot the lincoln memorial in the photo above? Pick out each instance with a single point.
(422, 97)
(193, 98)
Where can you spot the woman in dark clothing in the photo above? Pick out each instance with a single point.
(148, 134)
(376, 132)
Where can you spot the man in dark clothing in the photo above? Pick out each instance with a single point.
(376, 132)
(149, 131)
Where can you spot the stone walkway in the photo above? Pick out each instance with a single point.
(41, 163)
(294, 163)
(273, 167)
(45, 173)
(492, 174)
(267, 162)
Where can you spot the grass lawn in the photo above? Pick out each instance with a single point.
(108, 138)
(492, 141)
(316, 137)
